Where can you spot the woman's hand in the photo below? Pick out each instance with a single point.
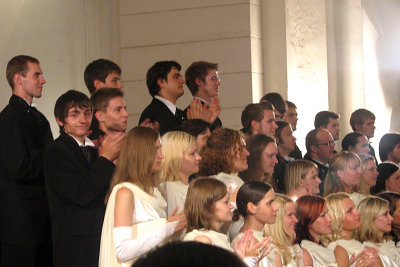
(248, 246)
(368, 257)
(174, 217)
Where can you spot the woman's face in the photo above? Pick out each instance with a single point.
(239, 160)
(268, 158)
(396, 215)
(393, 182)
(384, 222)
(290, 220)
(322, 225)
(395, 154)
(351, 216)
(351, 175)
(266, 208)
(222, 210)
(312, 180)
(190, 161)
(370, 173)
(158, 157)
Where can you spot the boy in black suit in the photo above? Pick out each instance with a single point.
(77, 180)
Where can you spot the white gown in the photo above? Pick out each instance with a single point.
(175, 193)
(388, 252)
(321, 256)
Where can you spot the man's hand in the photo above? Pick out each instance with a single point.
(111, 144)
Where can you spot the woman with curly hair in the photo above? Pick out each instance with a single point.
(180, 161)
(375, 229)
(346, 219)
(283, 234)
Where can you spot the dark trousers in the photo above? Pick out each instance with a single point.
(26, 255)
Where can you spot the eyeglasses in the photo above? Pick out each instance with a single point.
(215, 78)
(330, 143)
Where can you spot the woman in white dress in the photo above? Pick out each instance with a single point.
(301, 179)
(346, 220)
(180, 161)
(314, 222)
(368, 178)
(207, 207)
(344, 173)
(135, 219)
(283, 234)
(375, 229)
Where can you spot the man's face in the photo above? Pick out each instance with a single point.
(211, 84)
(115, 118)
(286, 140)
(173, 86)
(291, 117)
(267, 125)
(279, 116)
(32, 83)
(367, 128)
(325, 146)
(333, 128)
(361, 146)
(113, 80)
(77, 122)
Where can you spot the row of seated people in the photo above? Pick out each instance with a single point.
(63, 183)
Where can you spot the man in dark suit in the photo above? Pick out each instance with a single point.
(25, 132)
(77, 180)
(165, 84)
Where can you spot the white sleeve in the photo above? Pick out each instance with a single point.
(128, 248)
(250, 261)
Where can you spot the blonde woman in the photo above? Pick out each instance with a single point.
(135, 219)
(368, 179)
(375, 229)
(344, 173)
(346, 219)
(180, 161)
(283, 234)
(301, 178)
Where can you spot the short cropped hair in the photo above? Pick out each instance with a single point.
(68, 100)
(311, 139)
(322, 118)
(194, 127)
(290, 104)
(254, 112)
(158, 71)
(359, 116)
(277, 100)
(198, 69)
(99, 70)
(101, 98)
(351, 140)
(387, 144)
(18, 64)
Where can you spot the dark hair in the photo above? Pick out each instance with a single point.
(194, 126)
(188, 254)
(392, 198)
(351, 139)
(18, 64)
(254, 112)
(68, 100)
(385, 170)
(158, 71)
(308, 209)
(322, 118)
(99, 70)
(277, 100)
(278, 131)
(359, 116)
(198, 69)
(290, 104)
(251, 191)
(387, 144)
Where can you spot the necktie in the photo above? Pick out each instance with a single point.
(86, 153)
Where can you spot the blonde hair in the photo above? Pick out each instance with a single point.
(370, 209)
(174, 145)
(365, 158)
(296, 171)
(334, 203)
(136, 160)
(341, 161)
(281, 239)
(199, 206)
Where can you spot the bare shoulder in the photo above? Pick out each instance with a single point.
(307, 259)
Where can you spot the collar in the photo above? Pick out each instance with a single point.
(288, 159)
(319, 162)
(88, 142)
(168, 103)
(201, 99)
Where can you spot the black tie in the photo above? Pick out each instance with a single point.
(86, 153)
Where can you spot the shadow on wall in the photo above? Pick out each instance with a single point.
(384, 15)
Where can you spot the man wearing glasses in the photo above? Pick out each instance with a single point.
(203, 82)
(320, 149)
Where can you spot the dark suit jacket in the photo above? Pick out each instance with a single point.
(296, 153)
(24, 134)
(76, 191)
(322, 172)
(158, 111)
(279, 173)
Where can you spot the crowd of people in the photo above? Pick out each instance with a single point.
(179, 188)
